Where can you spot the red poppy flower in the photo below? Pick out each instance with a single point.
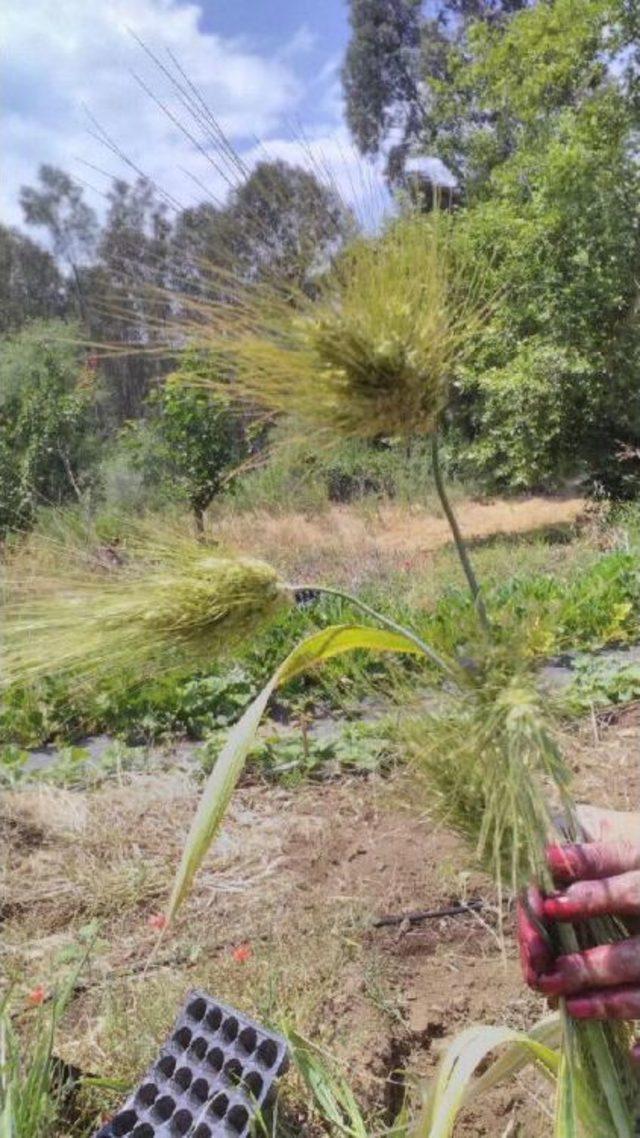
(37, 996)
(158, 921)
(242, 953)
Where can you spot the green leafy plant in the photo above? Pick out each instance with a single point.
(48, 438)
(189, 442)
(601, 683)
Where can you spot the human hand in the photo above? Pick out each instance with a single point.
(598, 877)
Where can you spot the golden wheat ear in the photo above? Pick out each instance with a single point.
(166, 601)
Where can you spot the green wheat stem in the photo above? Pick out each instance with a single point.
(461, 548)
(386, 622)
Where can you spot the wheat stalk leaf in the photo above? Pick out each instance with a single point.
(453, 1088)
(547, 1032)
(594, 1036)
(222, 781)
(566, 1122)
(216, 796)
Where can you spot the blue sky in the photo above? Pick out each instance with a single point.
(268, 69)
(272, 21)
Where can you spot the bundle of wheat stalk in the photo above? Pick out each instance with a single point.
(494, 772)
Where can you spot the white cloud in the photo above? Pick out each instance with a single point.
(69, 57)
(63, 55)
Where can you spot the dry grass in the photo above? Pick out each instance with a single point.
(383, 536)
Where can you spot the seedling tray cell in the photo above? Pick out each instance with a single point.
(213, 1076)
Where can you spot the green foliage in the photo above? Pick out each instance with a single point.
(73, 767)
(553, 210)
(190, 441)
(47, 423)
(539, 613)
(297, 478)
(525, 415)
(601, 683)
(357, 748)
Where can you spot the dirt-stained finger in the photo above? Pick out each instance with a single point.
(592, 860)
(607, 1003)
(605, 966)
(536, 954)
(614, 896)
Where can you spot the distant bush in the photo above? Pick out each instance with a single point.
(188, 443)
(294, 477)
(48, 429)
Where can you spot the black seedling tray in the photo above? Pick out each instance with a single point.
(210, 1080)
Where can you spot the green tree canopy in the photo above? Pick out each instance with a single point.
(555, 218)
(282, 223)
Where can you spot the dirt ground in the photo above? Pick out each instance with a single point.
(296, 881)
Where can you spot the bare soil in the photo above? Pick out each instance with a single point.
(298, 877)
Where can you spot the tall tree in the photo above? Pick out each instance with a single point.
(281, 223)
(398, 58)
(128, 291)
(555, 218)
(31, 286)
(381, 74)
(508, 86)
(57, 205)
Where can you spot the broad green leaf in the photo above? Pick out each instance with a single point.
(337, 639)
(216, 795)
(453, 1088)
(215, 799)
(547, 1032)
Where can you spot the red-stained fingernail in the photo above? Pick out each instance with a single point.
(536, 954)
(559, 907)
(583, 1007)
(551, 984)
